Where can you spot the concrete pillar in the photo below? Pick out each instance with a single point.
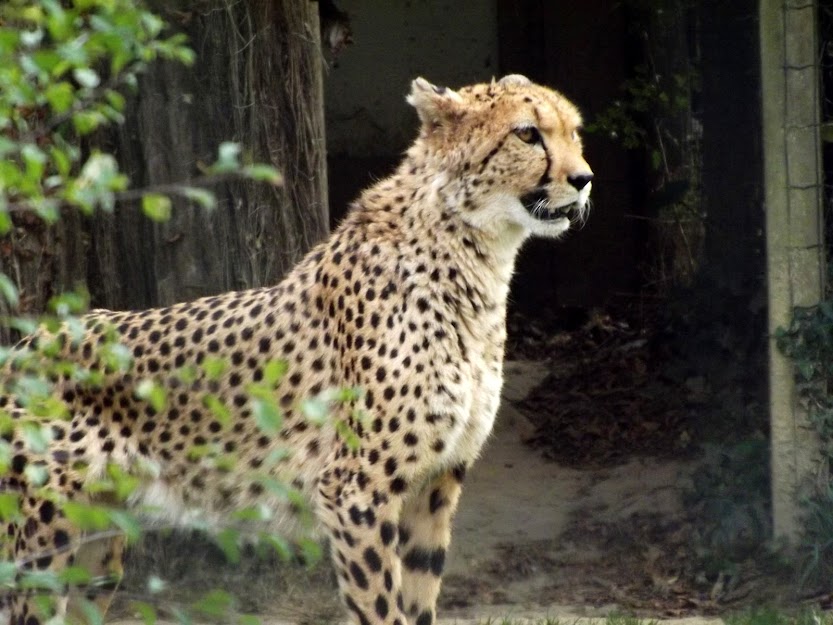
(795, 234)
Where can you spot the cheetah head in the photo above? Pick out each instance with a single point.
(511, 153)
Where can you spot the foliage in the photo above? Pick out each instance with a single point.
(655, 117)
(728, 501)
(808, 341)
(64, 68)
(766, 615)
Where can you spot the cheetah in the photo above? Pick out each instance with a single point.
(405, 301)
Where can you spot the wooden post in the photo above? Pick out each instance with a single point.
(795, 233)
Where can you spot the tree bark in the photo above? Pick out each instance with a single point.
(258, 81)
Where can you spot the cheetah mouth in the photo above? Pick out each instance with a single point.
(537, 204)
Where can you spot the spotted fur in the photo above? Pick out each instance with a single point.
(406, 301)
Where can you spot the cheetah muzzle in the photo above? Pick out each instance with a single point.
(406, 300)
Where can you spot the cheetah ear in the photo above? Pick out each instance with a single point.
(514, 80)
(435, 105)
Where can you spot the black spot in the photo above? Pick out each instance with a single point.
(436, 500)
(438, 561)
(61, 539)
(372, 559)
(398, 485)
(351, 605)
(425, 618)
(47, 511)
(358, 575)
(19, 463)
(424, 560)
(459, 473)
(381, 606)
(417, 559)
(388, 532)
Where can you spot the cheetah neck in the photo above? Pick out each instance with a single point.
(420, 209)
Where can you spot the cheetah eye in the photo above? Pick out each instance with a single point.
(528, 134)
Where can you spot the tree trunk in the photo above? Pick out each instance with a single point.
(258, 81)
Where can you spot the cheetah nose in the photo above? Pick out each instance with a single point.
(580, 181)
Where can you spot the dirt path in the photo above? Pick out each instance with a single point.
(517, 546)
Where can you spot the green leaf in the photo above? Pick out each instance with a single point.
(72, 303)
(62, 160)
(156, 584)
(146, 612)
(310, 550)
(6, 426)
(86, 122)
(46, 580)
(31, 38)
(92, 615)
(213, 367)
(9, 290)
(8, 573)
(128, 524)
(218, 409)
(229, 541)
(216, 603)
(257, 514)
(123, 482)
(75, 575)
(86, 77)
(274, 371)
(157, 207)
(267, 416)
(87, 517)
(117, 357)
(9, 506)
(265, 173)
(37, 474)
(206, 199)
(153, 393)
(316, 409)
(115, 99)
(36, 437)
(228, 158)
(60, 96)
(46, 59)
(278, 543)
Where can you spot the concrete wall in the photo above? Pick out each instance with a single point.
(451, 43)
(795, 245)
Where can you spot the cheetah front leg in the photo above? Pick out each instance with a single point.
(362, 530)
(424, 537)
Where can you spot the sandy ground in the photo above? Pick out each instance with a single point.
(517, 507)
